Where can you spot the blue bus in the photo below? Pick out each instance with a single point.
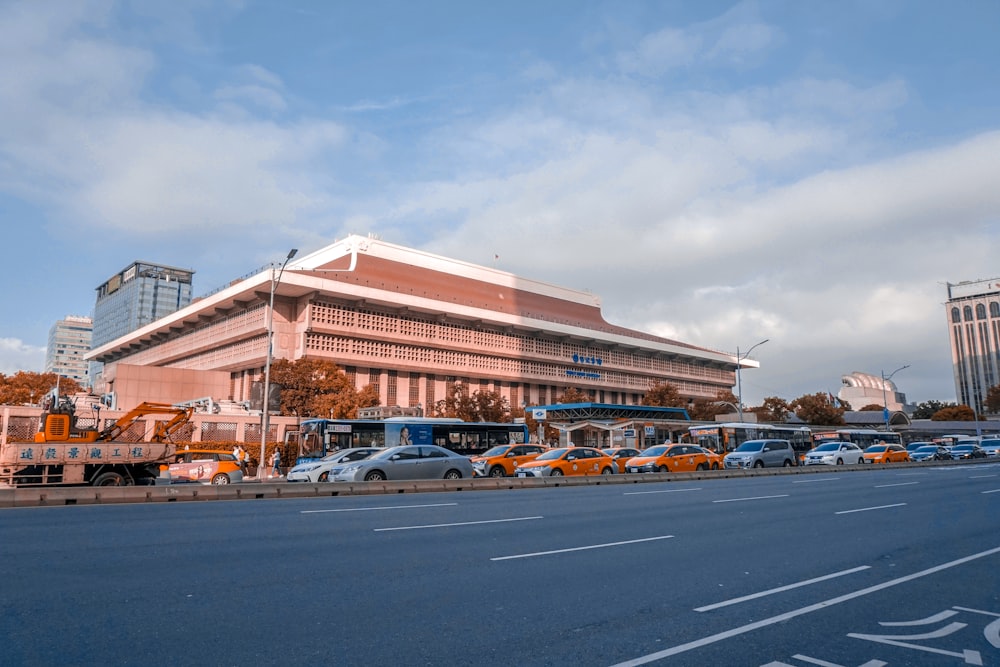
(319, 437)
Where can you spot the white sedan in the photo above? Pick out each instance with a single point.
(319, 470)
(834, 454)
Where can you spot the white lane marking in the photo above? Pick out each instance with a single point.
(780, 618)
(369, 509)
(782, 589)
(886, 486)
(591, 546)
(930, 620)
(981, 476)
(991, 491)
(911, 474)
(737, 500)
(869, 509)
(458, 523)
(824, 663)
(809, 481)
(639, 493)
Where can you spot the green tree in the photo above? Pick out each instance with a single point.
(927, 409)
(486, 406)
(574, 395)
(954, 413)
(702, 409)
(29, 388)
(992, 400)
(772, 410)
(491, 406)
(664, 395)
(818, 409)
(318, 388)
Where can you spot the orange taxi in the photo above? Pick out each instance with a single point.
(203, 465)
(621, 455)
(714, 458)
(884, 453)
(567, 461)
(670, 458)
(500, 461)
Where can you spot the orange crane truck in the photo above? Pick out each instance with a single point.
(64, 453)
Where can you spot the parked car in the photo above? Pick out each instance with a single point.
(917, 444)
(714, 458)
(669, 458)
(760, 454)
(203, 465)
(991, 446)
(891, 453)
(406, 462)
(319, 471)
(967, 451)
(567, 461)
(835, 452)
(621, 455)
(502, 460)
(930, 453)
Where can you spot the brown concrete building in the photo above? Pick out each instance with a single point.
(412, 324)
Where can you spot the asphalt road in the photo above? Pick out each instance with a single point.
(884, 567)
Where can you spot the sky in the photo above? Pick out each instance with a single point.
(721, 173)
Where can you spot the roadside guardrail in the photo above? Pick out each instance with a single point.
(52, 496)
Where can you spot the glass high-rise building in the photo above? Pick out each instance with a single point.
(974, 327)
(69, 342)
(137, 295)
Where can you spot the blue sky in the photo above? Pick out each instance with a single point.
(812, 173)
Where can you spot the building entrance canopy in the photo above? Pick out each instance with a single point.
(608, 425)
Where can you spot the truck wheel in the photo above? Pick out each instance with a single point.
(221, 478)
(109, 479)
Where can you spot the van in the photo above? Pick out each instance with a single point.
(761, 454)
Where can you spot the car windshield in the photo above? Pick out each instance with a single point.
(499, 450)
(874, 449)
(828, 447)
(654, 451)
(751, 446)
(551, 455)
(927, 448)
(961, 448)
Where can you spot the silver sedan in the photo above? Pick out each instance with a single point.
(406, 462)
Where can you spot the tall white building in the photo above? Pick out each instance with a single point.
(69, 342)
(973, 310)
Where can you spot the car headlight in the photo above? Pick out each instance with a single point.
(349, 469)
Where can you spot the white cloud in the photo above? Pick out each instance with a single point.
(16, 355)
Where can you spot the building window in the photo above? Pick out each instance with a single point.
(956, 316)
(994, 309)
(980, 311)
(967, 313)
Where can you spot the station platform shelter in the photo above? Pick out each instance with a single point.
(608, 425)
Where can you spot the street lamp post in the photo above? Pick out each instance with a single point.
(885, 401)
(739, 377)
(265, 404)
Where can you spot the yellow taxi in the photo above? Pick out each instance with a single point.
(567, 461)
(500, 461)
(886, 453)
(714, 458)
(203, 465)
(669, 458)
(621, 455)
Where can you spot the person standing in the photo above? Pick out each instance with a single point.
(276, 463)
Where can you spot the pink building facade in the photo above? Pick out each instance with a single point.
(412, 324)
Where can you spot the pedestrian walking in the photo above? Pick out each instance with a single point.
(276, 463)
